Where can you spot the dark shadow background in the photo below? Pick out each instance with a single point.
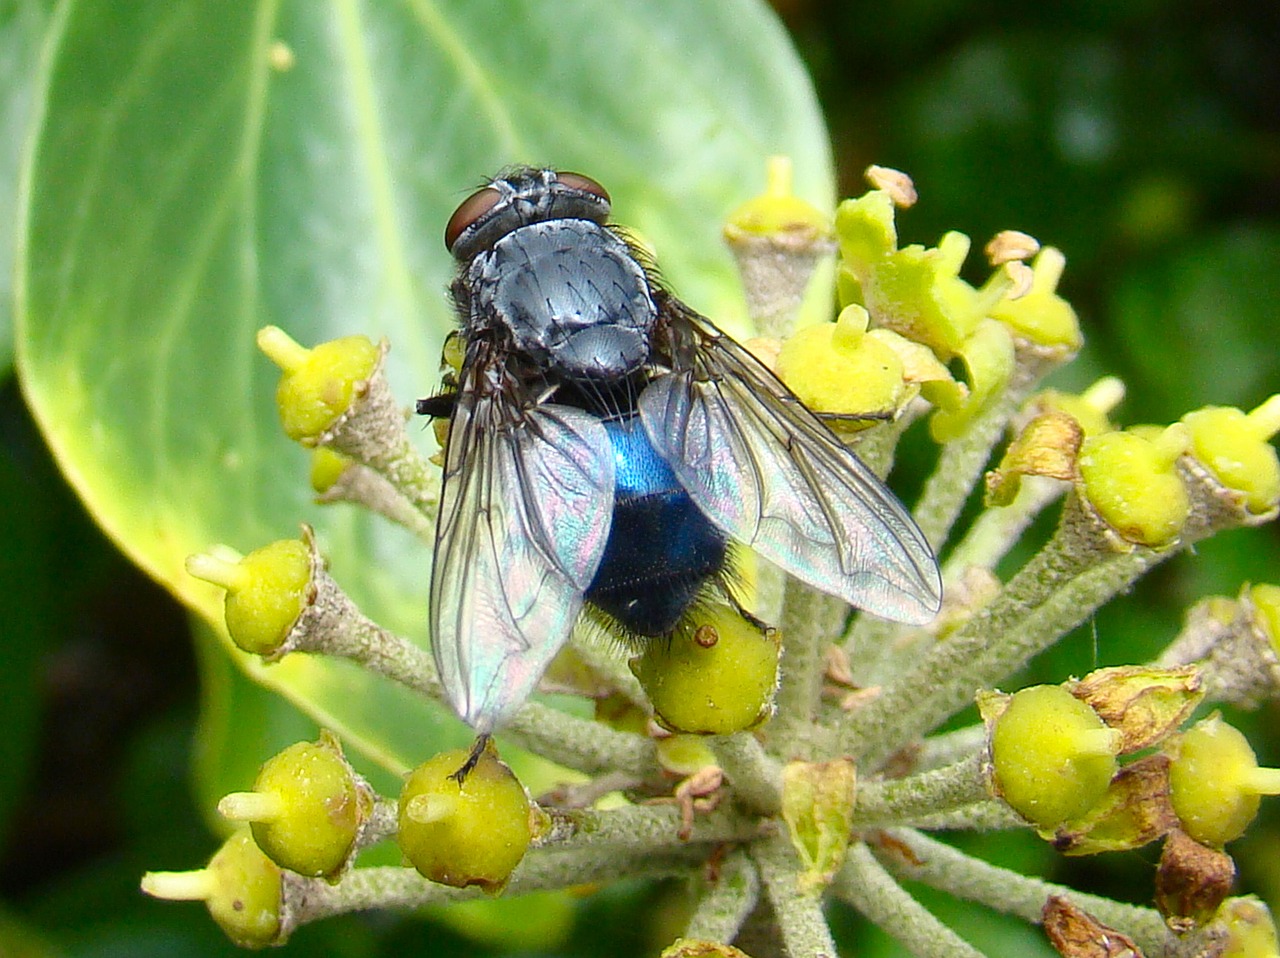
(1141, 138)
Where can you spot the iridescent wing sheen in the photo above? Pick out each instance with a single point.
(765, 470)
(524, 516)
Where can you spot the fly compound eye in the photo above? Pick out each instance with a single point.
(576, 181)
(470, 210)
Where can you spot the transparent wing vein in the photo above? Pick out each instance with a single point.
(767, 472)
(524, 517)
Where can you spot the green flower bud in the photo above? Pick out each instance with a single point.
(1265, 599)
(777, 212)
(1133, 484)
(266, 591)
(1215, 782)
(472, 832)
(837, 368)
(1250, 930)
(1134, 810)
(684, 755)
(318, 384)
(1052, 756)
(327, 467)
(1089, 408)
(241, 887)
(716, 675)
(306, 808)
(1041, 315)
(1233, 445)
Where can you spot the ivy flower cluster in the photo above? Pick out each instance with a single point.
(774, 773)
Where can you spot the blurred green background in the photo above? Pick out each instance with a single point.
(1143, 139)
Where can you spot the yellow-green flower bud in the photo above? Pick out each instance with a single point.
(1265, 599)
(684, 755)
(1089, 408)
(1233, 445)
(1215, 783)
(1250, 930)
(716, 675)
(327, 467)
(266, 591)
(1133, 484)
(305, 809)
(241, 887)
(777, 211)
(472, 832)
(837, 368)
(318, 384)
(1042, 316)
(1052, 757)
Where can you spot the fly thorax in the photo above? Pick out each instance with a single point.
(570, 296)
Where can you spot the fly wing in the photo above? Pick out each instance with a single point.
(524, 516)
(765, 470)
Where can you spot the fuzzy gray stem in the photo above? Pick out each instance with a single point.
(948, 747)
(803, 927)
(725, 901)
(927, 793)
(360, 485)
(989, 815)
(962, 461)
(1059, 588)
(999, 528)
(756, 777)
(911, 855)
(639, 827)
(811, 621)
(864, 883)
(312, 899)
(588, 746)
(372, 431)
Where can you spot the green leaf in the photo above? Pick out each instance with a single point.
(201, 170)
(22, 25)
(1198, 325)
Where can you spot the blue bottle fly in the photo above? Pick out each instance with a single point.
(607, 446)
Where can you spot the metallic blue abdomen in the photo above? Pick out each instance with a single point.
(661, 548)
